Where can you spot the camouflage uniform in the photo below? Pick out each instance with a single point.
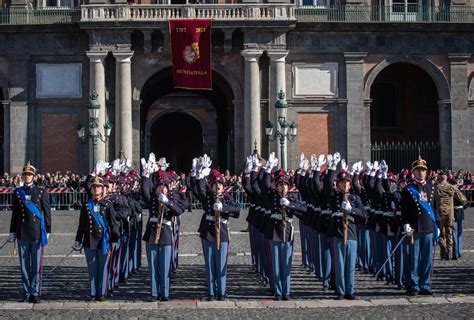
(447, 194)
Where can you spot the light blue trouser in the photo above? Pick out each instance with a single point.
(132, 251)
(282, 253)
(252, 245)
(366, 248)
(326, 259)
(124, 257)
(31, 261)
(318, 257)
(345, 256)
(399, 262)
(216, 266)
(114, 265)
(389, 244)
(159, 262)
(97, 268)
(421, 261)
(379, 253)
(267, 249)
(457, 238)
(305, 259)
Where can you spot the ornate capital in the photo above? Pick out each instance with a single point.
(251, 55)
(123, 56)
(277, 55)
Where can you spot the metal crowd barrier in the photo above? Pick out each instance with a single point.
(70, 199)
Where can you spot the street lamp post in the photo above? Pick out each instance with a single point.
(94, 134)
(288, 131)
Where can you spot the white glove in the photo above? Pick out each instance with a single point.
(376, 166)
(47, 236)
(11, 237)
(321, 161)
(407, 228)
(337, 157)
(204, 173)
(345, 205)
(383, 166)
(163, 198)
(313, 161)
(217, 206)
(439, 232)
(355, 168)
(284, 202)
(194, 165)
(392, 205)
(206, 161)
(248, 164)
(306, 164)
(272, 162)
(331, 162)
(255, 162)
(302, 161)
(145, 168)
(344, 165)
(76, 246)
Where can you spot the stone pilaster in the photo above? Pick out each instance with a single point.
(123, 103)
(460, 125)
(97, 83)
(277, 83)
(252, 114)
(357, 116)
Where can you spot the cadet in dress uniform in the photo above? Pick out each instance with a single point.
(348, 211)
(283, 208)
(96, 233)
(218, 206)
(419, 204)
(163, 207)
(30, 225)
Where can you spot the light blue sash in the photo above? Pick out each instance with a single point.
(37, 213)
(101, 222)
(426, 205)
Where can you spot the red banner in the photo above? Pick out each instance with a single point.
(191, 52)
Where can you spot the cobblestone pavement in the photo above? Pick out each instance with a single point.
(64, 291)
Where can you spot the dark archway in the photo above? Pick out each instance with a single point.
(404, 115)
(220, 97)
(2, 133)
(179, 144)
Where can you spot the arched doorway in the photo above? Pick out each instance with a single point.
(2, 133)
(179, 144)
(404, 116)
(214, 109)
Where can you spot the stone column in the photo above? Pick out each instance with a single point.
(21, 148)
(277, 83)
(123, 103)
(357, 123)
(252, 114)
(97, 83)
(460, 117)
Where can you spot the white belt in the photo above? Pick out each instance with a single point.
(458, 207)
(258, 207)
(337, 214)
(278, 217)
(252, 205)
(211, 218)
(167, 222)
(367, 208)
(388, 213)
(326, 212)
(267, 212)
(379, 212)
